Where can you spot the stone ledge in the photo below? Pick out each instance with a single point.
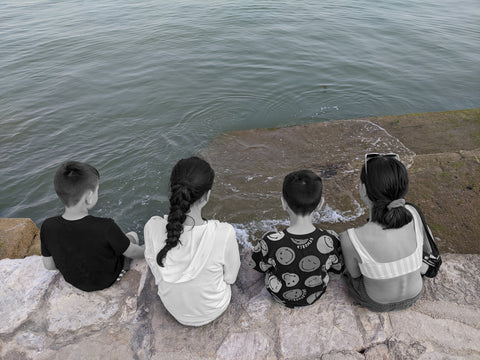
(19, 237)
(441, 149)
(43, 317)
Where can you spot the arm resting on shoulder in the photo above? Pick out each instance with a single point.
(349, 255)
(135, 251)
(49, 263)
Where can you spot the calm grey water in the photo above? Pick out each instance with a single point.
(131, 87)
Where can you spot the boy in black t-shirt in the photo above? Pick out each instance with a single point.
(296, 260)
(89, 251)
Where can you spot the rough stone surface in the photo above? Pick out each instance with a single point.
(43, 317)
(22, 290)
(18, 238)
(128, 321)
(251, 165)
(441, 151)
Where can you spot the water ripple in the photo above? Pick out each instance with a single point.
(133, 86)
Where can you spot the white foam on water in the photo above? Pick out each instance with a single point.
(245, 232)
(330, 215)
(242, 236)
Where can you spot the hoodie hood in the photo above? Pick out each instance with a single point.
(186, 260)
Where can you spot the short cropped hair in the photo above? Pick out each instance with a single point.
(73, 179)
(302, 190)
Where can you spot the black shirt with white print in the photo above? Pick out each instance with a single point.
(296, 266)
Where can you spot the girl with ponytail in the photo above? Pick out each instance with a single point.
(383, 258)
(194, 261)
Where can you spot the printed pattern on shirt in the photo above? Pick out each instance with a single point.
(296, 266)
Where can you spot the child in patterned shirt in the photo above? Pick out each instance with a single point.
(296, 260)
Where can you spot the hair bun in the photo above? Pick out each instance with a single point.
(396, 203)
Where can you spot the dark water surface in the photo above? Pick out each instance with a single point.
(131, 87)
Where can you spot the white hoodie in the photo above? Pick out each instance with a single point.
(194, 283)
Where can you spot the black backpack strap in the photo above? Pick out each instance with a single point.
(432, 260)
(433, 245)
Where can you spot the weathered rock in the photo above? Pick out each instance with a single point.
(446, 187)
(435, 132)
(377, 352)
(263, 157)
(102, 346)
(18, 238)
(22, 290)
(330, 331)
(58, 321)
(345, 355)
(43, 317)
(246, 346)
(442, 151)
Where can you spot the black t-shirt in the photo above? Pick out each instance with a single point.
(296, 266)
(88, 252)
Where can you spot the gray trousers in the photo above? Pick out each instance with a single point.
(356, 289)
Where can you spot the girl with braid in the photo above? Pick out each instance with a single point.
(383, 258)
(194, 261)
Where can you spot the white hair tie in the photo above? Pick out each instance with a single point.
(396, 203)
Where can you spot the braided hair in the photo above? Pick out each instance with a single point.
(191, 178)
(386, 182)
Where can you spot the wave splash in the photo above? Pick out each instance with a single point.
(247, 233)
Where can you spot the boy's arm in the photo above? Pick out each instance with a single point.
(337, 263)
(125, 244)
(49, 263)
(258, 261)
(47, 258)
(134, 251)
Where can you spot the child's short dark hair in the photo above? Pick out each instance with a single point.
(302, 190)
(73, 179)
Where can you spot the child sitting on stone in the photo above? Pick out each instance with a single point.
(296, 260)
(89, 251)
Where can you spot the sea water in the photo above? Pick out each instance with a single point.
(131, 87)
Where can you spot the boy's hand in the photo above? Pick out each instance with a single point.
(133, 237)
(49, 263)
(134, 251)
